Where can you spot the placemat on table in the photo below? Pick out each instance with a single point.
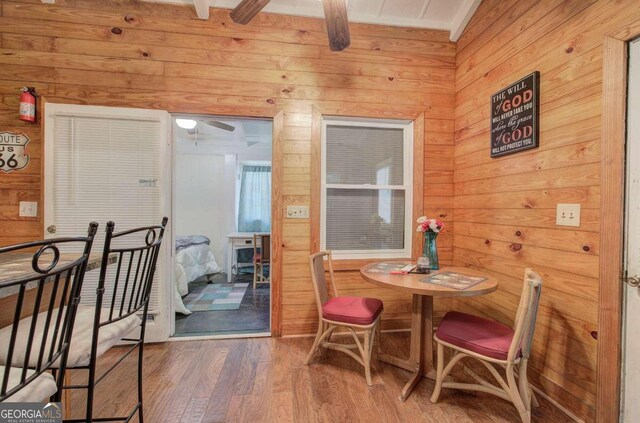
(386, 268)
(453, 280)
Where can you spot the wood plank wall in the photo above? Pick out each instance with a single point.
(505, 208)
(134, 54)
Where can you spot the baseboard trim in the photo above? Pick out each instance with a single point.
(557, 405)
(548, 398)
(214, 337)
(311, 335)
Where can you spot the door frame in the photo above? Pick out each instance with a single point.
(157, 331)
(277, 117)
(612, 185)
(275, 268)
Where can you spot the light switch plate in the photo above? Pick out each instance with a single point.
(297, 212)
(28, 209)
(568, 215)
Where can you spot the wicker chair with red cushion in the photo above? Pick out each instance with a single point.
(496, 346)
(353, 313)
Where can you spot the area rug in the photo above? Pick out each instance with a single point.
(217, 296)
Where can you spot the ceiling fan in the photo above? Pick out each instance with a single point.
(195, 135)
(191, 125)
(335, 15)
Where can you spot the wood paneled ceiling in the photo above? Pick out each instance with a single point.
(451, 15)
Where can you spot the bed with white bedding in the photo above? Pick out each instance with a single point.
(193, 259)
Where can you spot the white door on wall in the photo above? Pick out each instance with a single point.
(107, 163)
(631, 359)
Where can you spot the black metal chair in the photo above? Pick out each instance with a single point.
(121, 307)
(34, 349)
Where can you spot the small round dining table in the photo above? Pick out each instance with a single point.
(420, 361)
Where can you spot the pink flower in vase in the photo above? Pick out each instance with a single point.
(429, 225)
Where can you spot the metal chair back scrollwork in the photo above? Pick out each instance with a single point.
(131, 288)
(122, 297)
(48, 296)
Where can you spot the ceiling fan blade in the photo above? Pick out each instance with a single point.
(247, 10)
(335, 14)
(220, 125)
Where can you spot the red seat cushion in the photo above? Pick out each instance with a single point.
(353, 310)
(473, 333)
(256, 257)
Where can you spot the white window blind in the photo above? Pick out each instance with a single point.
(106, 169)
(366, 188)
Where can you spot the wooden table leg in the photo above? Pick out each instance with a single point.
(413, 362)
(420, 361)
(417, 344)
(427, 338)
(229, 259)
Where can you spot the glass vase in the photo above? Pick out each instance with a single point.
(430, 249)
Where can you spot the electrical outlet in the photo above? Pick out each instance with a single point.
(297, 212)
(568, 215)
(28, 209)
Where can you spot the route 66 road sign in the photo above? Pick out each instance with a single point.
(13, 151)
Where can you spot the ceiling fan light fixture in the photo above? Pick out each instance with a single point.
(186, 123)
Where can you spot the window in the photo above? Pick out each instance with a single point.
(254, 205)
(367, 175)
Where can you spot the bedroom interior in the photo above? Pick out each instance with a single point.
(528, 234)
(222, 192)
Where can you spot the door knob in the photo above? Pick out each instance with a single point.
(51, 229)
(632, 280)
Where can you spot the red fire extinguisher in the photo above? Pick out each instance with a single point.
(28, 104)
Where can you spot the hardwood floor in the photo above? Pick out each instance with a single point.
(265, 380)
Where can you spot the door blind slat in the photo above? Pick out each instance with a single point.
(106, 169)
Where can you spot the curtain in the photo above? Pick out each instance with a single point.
(254, 211)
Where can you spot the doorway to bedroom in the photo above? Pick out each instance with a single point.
(222, 217)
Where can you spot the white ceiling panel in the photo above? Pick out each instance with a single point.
(443, 10)
(365, 8)
(403, 8)
(451, 15)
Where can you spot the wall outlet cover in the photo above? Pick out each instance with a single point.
(568, 215)
(28, 209)
(297, 212)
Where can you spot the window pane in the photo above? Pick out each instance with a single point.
(365, 219)
(361, 155)
(254, 213)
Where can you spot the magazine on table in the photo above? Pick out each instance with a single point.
(386, 268)
(454, 280)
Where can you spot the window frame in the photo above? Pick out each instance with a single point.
(408, 185)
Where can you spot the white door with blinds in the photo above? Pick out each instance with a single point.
(107, 163)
